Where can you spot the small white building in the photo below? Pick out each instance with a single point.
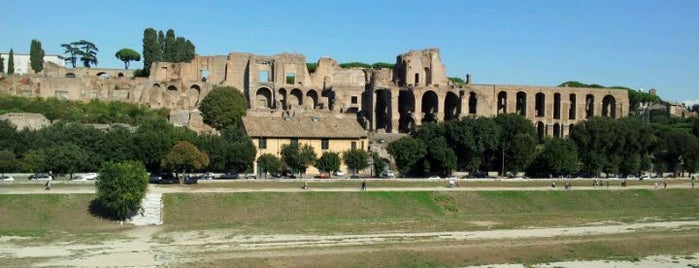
(23, 64)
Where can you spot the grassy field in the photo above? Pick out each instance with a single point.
(46, 215)
(67, 217)
(351, 212)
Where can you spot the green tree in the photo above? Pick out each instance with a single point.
(34, 161)
(11, 63)
(72, 52)
(269, 163)
(596, 139)
(474, 138)
(407, 152)
(298, 157)
(8, 135)
(169, 49)
(151, 49)
(2, 65)
(356, 159)
(127, 55)
(518, 141)
(185, 156)
(441, 157)
(223, 106)
(8, 162)
(121, 187)
(328, 162)
(241, 151)
(66, 158)
(559, 157)
(379, 164)
(217, 148)
(380, 65)
(36, 56)
(88, 53)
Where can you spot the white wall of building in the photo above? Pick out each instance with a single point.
(23, 64)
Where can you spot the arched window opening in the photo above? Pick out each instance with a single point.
(589, 106)
(472, 103)
(540, 105)
(573, 107)
(502, 102)
(540, 130)
(609, 106)
(521, 108)
(557, 106)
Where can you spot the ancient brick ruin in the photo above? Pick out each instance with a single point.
(415, 91)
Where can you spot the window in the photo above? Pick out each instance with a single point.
(263, 76)
(354, 145)
(294, 140)
(354, 99)
(262, 143)
(290, 78)
(324, 144)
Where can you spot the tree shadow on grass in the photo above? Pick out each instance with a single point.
(98, 210)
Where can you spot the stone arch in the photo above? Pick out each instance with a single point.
(451, 106)
(295, 97)
(263, 98)
(502, 102)
(406, 110)
(156, 86)
(70, 75)
(430, 106)
(382, 110)
(120, 74)
(521, 103)
(540, 130)
(282, 100)
(573, 106)
(589, 105)
(557, 105)
(171, 88)
(312, 98)
(557, 130)
(609, 106)
(103, 74)
(472, 103)
(193, 95)
(540, 104)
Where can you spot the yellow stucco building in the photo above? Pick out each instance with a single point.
(328, 133)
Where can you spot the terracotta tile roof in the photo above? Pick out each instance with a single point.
(303, 127)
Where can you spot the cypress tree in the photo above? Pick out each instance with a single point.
(151, 49)
(170, 48)
(36, 56)
(189, 55)
(11, 63)
(180, 50)
(2, 65)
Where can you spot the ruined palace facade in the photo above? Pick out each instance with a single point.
(414, 92)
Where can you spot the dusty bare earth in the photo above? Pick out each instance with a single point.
(152, 246)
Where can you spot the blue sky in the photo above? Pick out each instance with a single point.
(640, 44)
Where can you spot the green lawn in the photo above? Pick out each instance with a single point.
(349, 212)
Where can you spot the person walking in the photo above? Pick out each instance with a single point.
(364, 185)
(48, 185)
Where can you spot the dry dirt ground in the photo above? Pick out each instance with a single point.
(152, 246)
